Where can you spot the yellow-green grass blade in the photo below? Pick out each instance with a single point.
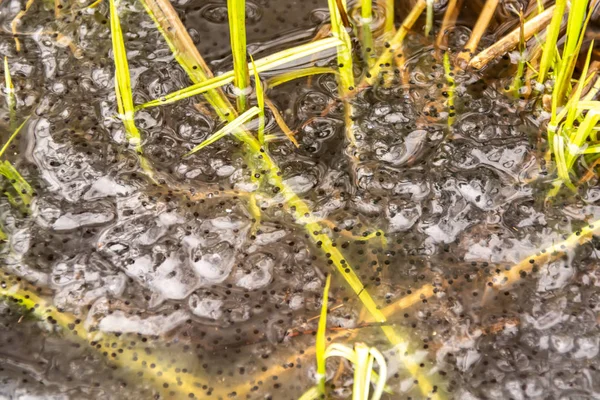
(592, 149)
(549, 53)
(262, 65)
(20, 185)
(578, 140)
(346, 70)
(227, 129)
(360, 384)
(9, 90)
(297, 74)
(381, 378)
(187, 55)
(451, 87)
(560, 159)
(122, 78)
(3, 236)
(311, 394)
(320, 342)
(572, 110)
(236, 10)
(518, 81)
(583, 105)
(429, 18)
(394, 44)
(260, 100)
(388, 28)
(344, 50)
(366, 15)
(588, 105)
(12, 137)
(574, 38)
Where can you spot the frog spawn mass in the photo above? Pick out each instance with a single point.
(180, 293)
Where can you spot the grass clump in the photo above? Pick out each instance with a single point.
(361, 356)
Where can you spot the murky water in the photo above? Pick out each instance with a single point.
(177, 276)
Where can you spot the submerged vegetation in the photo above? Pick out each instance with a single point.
(552, 74)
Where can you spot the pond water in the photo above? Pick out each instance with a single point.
(117, 285)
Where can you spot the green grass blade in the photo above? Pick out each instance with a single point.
(518, 80)
(429, 18)
(572, 110)
(574, 39)
(20, 185)
(360, 385)
(262, 65)
(9, 90)
(588, 105)
(311, 394)
(227, 129)
(236, 10)
(297, 74)
(561, 162)
(550, 52)
(382, 376)
(320, 345)
(388, 28)
(260, 99)
(344, 55)
(592, 149)
(122, 78)
(11, 138)
(366, 16)
(451, 87)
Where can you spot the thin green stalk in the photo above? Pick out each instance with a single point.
(574, 38)
(236, 10)
(388, 27)
(344, 56)
(297, 74)
(366, 16)
(12, 137)
(227, 129)
(429, 18)
(320, 343)
(451, 88)
(549, 52)
(260, 100)
(21, 186)
(518, 80)
(123, 89)
(9, 90)
(576, 96)
(122, 78)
